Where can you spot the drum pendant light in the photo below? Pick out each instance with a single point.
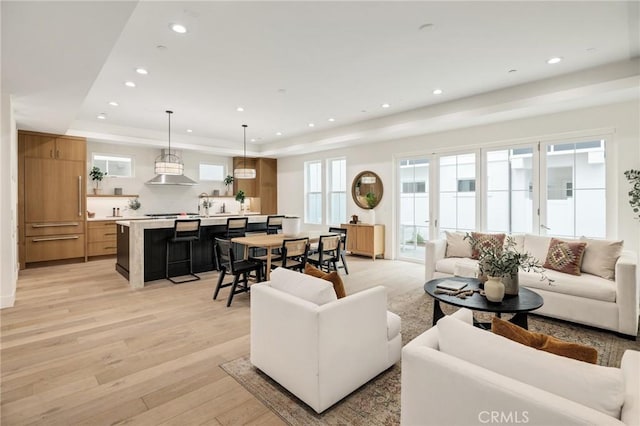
(244, 172)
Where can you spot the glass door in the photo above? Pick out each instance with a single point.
(414, 207)
(457, 196)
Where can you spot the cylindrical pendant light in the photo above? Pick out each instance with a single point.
(244, 172)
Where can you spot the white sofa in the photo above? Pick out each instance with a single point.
(476, 377)
(585, 299)
(323, 351)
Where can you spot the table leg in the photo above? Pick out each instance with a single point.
(437, 311)
(268, 266)
(520, 319)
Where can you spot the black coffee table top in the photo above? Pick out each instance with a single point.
(526, 300)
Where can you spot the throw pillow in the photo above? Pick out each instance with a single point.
(544, 342)
(565, 256)
(333, 277)
(487, 242)
(600, 257)
(457, 246)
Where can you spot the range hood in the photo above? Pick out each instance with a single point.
(163, 179)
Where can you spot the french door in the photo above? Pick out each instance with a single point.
(413, 207)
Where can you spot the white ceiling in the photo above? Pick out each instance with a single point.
(292, 63)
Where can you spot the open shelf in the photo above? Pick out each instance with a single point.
(112, 195)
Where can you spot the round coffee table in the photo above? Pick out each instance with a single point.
(526, 301)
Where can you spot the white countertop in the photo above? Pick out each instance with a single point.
(146, 223)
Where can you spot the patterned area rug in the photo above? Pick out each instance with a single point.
(378, 401)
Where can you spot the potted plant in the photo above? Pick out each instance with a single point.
(501, 265)
(240, 197)
(228, 181)
(134, 204)
(96, 176)
(371, 199)
(633, 176)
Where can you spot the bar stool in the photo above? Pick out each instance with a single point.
(184, 231)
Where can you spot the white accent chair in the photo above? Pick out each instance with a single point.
(322, 352)
(477, 377)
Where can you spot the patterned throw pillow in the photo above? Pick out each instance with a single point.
(487, 241)
(565, 256)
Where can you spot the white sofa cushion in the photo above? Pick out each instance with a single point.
(393, 325)
(598, 387)
(450, 265)
(537, 246)
(600, 257)
(585, 285)
(312, 289)
(457, 246)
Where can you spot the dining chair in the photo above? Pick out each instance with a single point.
(240, 269)
(293, 255)
(343, 246)
(236, 227)
(328, 253)
(274, 223)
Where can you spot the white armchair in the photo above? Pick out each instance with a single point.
(439, 387)
(321, 353)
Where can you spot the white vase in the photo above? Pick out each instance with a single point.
(494, 289)
(290, 226)
(372, 216)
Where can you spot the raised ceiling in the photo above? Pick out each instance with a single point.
(289, 64)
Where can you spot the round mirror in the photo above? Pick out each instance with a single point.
(366, 190)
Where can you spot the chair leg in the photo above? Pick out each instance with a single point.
(166, 262)
(233, 289)
(220, 279)
(344, 263)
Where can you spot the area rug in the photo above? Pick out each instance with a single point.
(378, 401)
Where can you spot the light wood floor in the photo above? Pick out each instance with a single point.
(80, 347)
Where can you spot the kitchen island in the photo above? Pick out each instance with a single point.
(142, 247)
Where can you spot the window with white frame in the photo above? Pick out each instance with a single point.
(337, 194)
(457, 196)
(115, 165)
(211, 172)
(313, 192)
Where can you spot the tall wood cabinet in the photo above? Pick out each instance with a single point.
(51, 197)
(264, 186)
(365, 239)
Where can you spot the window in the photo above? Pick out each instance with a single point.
(313, 192)
(114, 165)
(211, 172)
(457, 192)
(337, 196)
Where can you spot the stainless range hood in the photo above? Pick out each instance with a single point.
(168, 166)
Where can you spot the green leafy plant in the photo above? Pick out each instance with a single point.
(371, 199)
(228, 180)
(633, 176)
(97, 175)
(134, 204)
(240, 196)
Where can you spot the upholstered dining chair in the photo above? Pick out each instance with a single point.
(240, 269)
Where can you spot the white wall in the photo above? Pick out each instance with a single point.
(621, 119)
(155, 198)
(9, 205)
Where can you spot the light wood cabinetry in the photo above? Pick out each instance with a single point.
(101, 238)
(365, 239)
(51, 197)
(264, 186)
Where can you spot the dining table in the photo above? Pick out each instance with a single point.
(273, 241)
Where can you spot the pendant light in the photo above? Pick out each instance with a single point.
(244, 172)
(168, 167)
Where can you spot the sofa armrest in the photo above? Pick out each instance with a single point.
(630, 367)
(430, 337)
(440, 389)
(434, 251)
(627, 292)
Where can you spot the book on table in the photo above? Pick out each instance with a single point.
(451, 285)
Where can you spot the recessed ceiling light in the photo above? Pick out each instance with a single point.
(253, 139)
(102, 116)
(239, 109)
(385, 105)
(161, 47)
(142, 71)
(311, 125)
(113, 103)
(180, 29)
(437, 92)
(278, 133)
(513, 70)
(591, 49)
(189, 131)
(554, 60)
(332, 119)
(129, 84)
(425, 26)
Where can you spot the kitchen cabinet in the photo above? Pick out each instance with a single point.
(264, 186)
(365, 239)
(101, 237)
(51, 197)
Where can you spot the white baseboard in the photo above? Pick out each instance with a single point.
(7, 301)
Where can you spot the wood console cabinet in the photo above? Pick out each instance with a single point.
(264, 186)
(101, 237)
(51, 197)
(365, 239)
